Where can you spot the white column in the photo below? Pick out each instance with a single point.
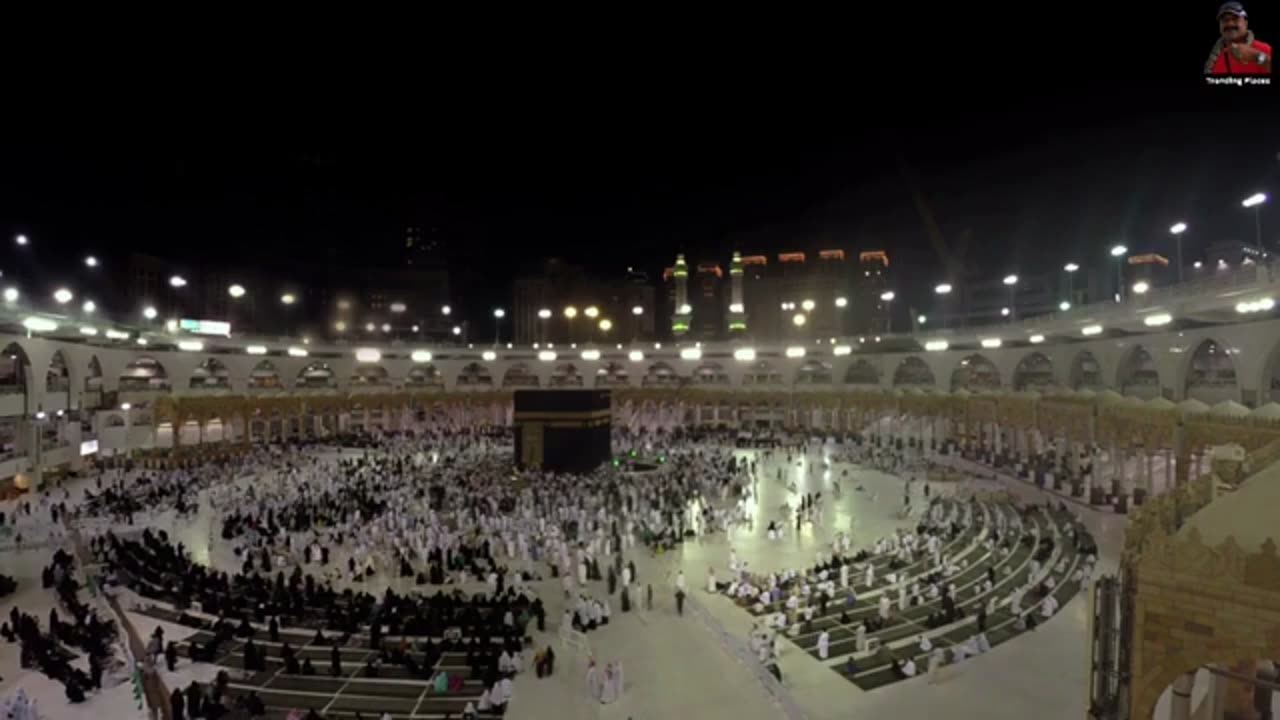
(1180, 697)
(1217, 696)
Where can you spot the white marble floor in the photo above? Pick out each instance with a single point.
(675, 667)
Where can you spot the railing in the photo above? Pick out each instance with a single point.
(1167, 512)
(734, 646)
(1260, 458)
(154, 690)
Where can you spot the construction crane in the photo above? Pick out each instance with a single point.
(952, 258)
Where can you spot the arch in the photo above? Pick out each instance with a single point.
(264, 376)
(660, 374)
(975, 372)
(1086, 372)
(93, 378)
(316, 375)
(762, 372)
(813, 372)
(519, 375)
(1269, 385)
(710, 372)
(1034, 372)
(1138, 374)
(422, 376)
(474, 374)
(13, 369)
(1211, 374)
(566, 375)
(366, 375)
(862, 372)
(611, 374)
(211, 373)
(913, 372)
(144, 373)
(1251, 656)
(58, 376)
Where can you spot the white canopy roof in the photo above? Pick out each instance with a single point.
(1229, 408)
(1270, 411)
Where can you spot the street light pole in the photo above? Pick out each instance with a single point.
(1012, 282)
(1071, 269)
(943, 290)
(636, 312)
(887, 296)
(1118, 252)
(1177, 230)
(1255, 201)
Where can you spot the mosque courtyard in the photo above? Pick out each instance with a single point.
(683, 666)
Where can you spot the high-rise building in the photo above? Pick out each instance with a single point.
(868, 313)
(737, 309)
(681, 309)
(542, 295)
(709, 320)
(760, 298)
(637, 295)
(1153, 269)
(809, 286)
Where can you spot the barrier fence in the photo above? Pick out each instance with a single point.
(147, 680)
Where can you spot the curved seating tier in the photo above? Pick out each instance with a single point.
(898, 642)
(878, 671)
(882, 565)
(1043, 539)
(151, 568)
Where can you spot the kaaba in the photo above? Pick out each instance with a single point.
(562, 430)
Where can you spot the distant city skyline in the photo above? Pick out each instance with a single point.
(1023, 186)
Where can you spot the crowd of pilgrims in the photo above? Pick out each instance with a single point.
(835, 577)
(52, 652)
(490, 629)
(812, 589)
(444, 514)
(309, 528)
(25, 522)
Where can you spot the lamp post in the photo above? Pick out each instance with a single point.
(1176, 231)
(570, 313)
(943, 291)
(543, 315)
(636, 312)
(1070, 269)
(1012, 282)
(887, 297)
(498, 314)
(1118, 252)
(1255, 201)
(128, 449)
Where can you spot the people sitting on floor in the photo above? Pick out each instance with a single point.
(904, 668)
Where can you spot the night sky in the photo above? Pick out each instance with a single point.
(1033, 175)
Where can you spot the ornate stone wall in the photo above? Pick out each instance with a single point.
(1196, 605)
